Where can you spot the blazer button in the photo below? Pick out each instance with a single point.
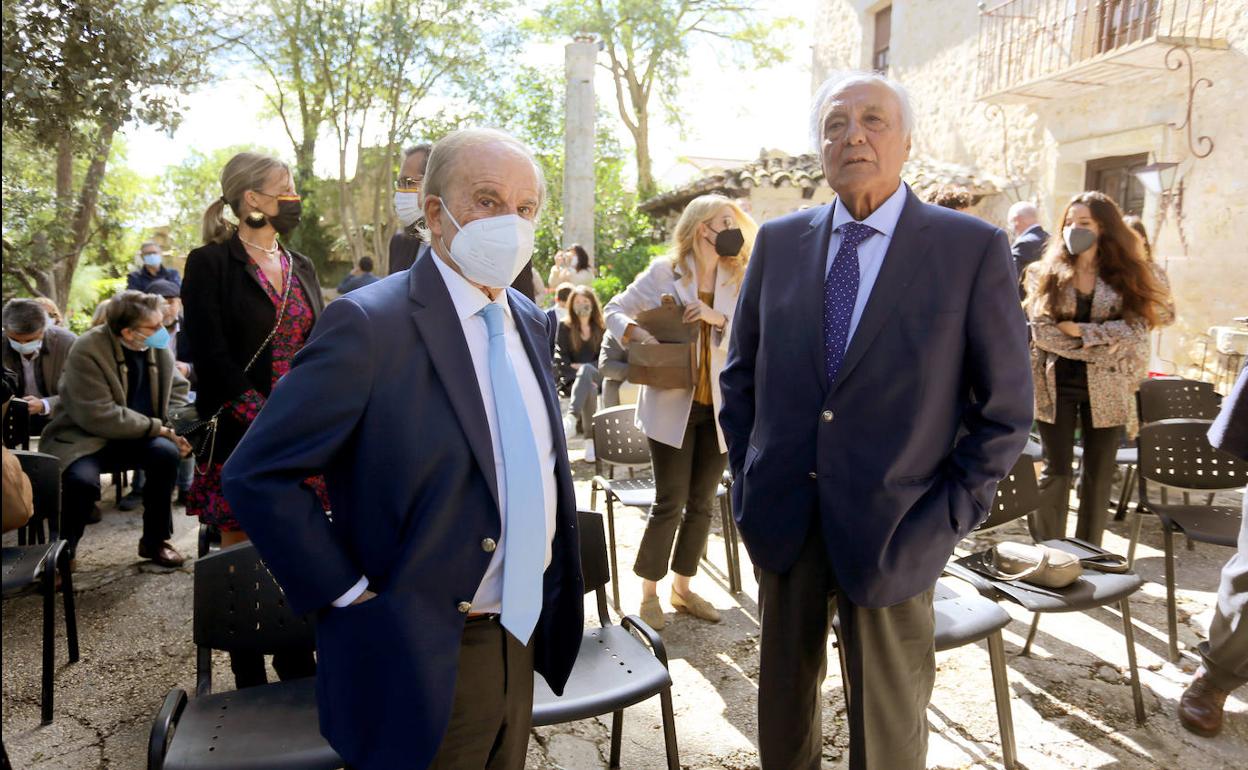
(813, 475)
(464, 607)
(488, 545)
(827, 415)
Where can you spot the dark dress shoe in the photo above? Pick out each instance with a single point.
(95, 516)
(181, 498)
(131, 501)
(1200, 708)
(165, 555)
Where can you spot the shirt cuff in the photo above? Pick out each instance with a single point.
(47, 410)
(352, 593)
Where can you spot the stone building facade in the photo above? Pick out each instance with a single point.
(1051, 97)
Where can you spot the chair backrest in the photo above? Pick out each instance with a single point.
(240, 607)
(595, 567)
(17, 425)
(44, 472)
(1167, 399)
(617, 439)
(1017, 495)
(1177, 453)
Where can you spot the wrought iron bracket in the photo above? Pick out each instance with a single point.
(1174, 64)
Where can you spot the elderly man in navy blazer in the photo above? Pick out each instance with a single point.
(449, 570)
(877, 388)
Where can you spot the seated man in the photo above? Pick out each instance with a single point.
(118, 386)
(36, 351)
(613, 366)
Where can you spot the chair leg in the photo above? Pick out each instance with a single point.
(1172, 612)
(1124, 498)
(669, 730)
(615, 572)
(840, 655)
(1136, 521)
(49, 634)
(725, 524)
(71, 616)
(1128, 633)
(1001, 689)
(593, 497)
(617, 731)
(1031, 635)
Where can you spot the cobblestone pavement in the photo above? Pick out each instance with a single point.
(1071, 702)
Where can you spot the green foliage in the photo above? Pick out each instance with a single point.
(91, 287)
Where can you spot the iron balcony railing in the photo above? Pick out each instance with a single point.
(1024, 41)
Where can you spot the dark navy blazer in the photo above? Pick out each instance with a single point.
(899, 457)
(384, 401)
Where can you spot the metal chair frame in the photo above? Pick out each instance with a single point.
(1176, 454)
(40, 556)
(1017, 495)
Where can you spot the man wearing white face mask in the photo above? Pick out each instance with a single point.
(450, 572)
(406, 243)
(152, 269)
(36, 353)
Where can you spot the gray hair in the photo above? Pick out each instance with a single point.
(424, 147)
(1024, 210)
(446, 151)
(145, 244)
(24, 316)
(838, 82)
(129, 307)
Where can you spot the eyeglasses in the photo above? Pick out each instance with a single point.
(406, 183)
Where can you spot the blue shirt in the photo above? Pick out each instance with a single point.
(871, 251)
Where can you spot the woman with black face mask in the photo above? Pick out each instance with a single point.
(249, 304)
(1092, 300)
(710, 248)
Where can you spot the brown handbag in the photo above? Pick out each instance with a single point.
(672, 361)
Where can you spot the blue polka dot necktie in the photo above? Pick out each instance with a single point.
(840, 292)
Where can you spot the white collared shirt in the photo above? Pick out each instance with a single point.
(468, 301)
(871, 251)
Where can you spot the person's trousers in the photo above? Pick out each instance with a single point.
(1096, 475)
(492, 713)
(80, 486)
(891, 668)
(585, 396)
(249, 671)
(686, 481)
(1225, 655)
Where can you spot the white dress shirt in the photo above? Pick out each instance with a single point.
(468, 301)
(871, 251)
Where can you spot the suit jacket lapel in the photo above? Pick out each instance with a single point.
(811, 269)
(905, 251)
(444, 339)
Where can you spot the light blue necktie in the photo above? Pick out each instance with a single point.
(524, 540)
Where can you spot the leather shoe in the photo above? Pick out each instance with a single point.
(696, 606)
(1200, 708)
(652, 613)
(165, 555)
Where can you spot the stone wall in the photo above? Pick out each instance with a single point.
(933, 50)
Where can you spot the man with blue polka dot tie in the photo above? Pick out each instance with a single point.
(878, 387)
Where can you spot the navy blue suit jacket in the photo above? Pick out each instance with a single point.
(384, 401)
(1028, 248)
(898, 458)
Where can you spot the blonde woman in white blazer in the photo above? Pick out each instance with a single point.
(704, 269)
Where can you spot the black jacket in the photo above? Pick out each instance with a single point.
(1028, 248)
(404, 249)
(228, 316)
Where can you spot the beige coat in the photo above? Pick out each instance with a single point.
(93, 392)
(1110, 346)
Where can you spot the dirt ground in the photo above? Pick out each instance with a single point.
(1071, 701)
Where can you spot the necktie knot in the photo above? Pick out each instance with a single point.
(493, 315)
(856, 232)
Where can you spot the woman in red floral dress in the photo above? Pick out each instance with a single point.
(250, 305)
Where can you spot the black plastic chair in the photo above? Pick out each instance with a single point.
(963, 620)
(239, 607)
(17, 425)
(619, 443)
(614, 669)
(1017, 495)
(1178, 455)
(38, 560)
(1164, 398)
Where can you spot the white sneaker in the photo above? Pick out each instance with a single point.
(569, 426)
(589, 452)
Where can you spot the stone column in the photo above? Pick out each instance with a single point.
(578, 143)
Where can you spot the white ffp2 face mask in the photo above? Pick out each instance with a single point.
(491, 251)
(407, 207)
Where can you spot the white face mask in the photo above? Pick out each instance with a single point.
(151, 259)
(26, 348)
(491, 251)
(407, 207)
